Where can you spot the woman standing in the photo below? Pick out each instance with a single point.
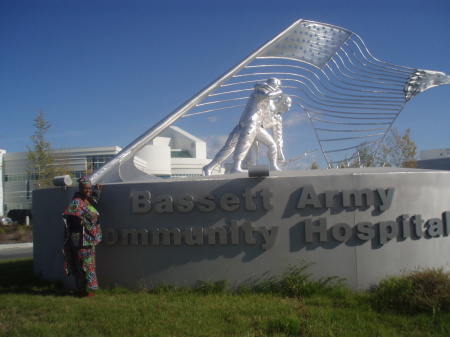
(82, 234)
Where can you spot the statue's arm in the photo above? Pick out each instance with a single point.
(264, 92)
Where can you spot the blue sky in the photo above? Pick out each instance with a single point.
(105, 71)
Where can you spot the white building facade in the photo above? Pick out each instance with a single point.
(18, 184)
(174, 154)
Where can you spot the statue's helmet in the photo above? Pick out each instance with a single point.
(274, 83)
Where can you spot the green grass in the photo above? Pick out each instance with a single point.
(31, 307)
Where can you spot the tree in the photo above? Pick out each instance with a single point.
(398, 150)
(42, 165)
(344, 163)
(365, 157)
(315, 165)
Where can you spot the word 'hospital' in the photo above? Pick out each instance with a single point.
(314, 230)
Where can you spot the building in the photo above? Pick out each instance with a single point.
(173, 154)
(18, 184)
(437, 159)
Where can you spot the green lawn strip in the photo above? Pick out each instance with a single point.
(355, 317)
(31, 307)
(141, 314)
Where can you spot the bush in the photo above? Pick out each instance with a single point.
(296, 282)
(20, 233)
(286, 326)
(164, 289)
(426, 290)
(209, 287)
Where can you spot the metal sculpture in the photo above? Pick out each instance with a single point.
(350, 97)
(262, 111)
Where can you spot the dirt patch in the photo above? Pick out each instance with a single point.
(15, 234)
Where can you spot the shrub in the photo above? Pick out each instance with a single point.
(296, 282)
(209, 287)
(426, 290)
(20, 233)
(289, 326)
(393, 293)
(164, 289)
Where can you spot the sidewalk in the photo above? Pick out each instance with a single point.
(16, 245)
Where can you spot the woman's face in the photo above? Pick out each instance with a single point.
(85, 190)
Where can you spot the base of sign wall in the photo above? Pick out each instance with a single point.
(358, 224)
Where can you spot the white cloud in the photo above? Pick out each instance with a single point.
(214, 144)
(213, 119)
(299, 166)
(295, 118)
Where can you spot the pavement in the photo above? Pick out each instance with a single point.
(16, 245)
(16, 251)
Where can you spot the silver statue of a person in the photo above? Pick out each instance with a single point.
(261, 112)
(273, 120)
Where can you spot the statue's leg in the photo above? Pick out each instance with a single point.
(252, 155)
(265, 138)
(246, 139)
(224, 152)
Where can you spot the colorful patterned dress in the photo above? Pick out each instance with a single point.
(82, 234)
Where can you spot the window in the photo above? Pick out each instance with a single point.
(94, 162)
(78, 174)
(180, 154)
(20, 177)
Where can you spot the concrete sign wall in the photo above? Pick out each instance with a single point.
(360, 224)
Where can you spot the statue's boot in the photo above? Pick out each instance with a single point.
(274, 165)
(237, 167)
(207, 169)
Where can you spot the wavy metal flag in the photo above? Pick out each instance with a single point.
(351, 98)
